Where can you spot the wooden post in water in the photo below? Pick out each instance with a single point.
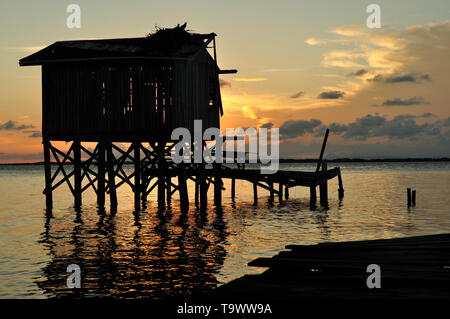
(255, 193)
(101, 170)
(312, 195)
(324, 144)
(233, 188)
(217, 185)
(111, 177)
(137, 175)
(77, 173)
(286, 192)
(413, 200)
(182, 188)
(280, 192)
(323, 187)
(203, 188)
(48, 175)
(169, 189)
(160, 148)
(271, 192)
(408, 196)
(341, 186)
(197, 190)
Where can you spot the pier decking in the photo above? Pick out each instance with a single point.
(414, 267)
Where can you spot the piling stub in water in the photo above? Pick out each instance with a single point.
(341, 186)
(413, 200)
(408, 195)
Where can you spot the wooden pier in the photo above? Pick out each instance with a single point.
(153, 170)
(412, 267)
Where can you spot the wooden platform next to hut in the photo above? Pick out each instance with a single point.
(413, 267)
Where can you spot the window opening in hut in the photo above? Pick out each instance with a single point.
(103, 99)
(212, 93)
(131, 94)
(156, 96)
(129, 107)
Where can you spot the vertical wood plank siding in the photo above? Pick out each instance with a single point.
(128, 100)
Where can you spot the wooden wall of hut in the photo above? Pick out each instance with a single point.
(128, 101)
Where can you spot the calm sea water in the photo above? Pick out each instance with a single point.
(130, 254)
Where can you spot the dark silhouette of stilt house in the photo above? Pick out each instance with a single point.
(136, 91)
(132, 90)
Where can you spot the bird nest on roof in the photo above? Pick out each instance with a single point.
(171, 38)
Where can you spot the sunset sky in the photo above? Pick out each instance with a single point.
(303, 66)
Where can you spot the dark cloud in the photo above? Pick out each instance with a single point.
(14, 126)
(402, 78)
(411, 77)
(267, 125)
(399, 78)
(35, 134)
(295, 128)
(297, 95)
(376, 78)
(402, 126)
(399, 102)
(360, 72)
(427, 114)
(332, 95)
(224, 83)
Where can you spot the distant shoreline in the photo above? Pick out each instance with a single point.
(312, 160)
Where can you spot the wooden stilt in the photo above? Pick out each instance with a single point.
(323, 187)
(77, 173)
(145, 181)
(137, 175)
(280, 192)
(217, 185)
(161, 175)
(286, 192)
(111, 177)
(255, 193)
(233, 188)
(312, 195)
(203, 188)
(169, 190)
(101, 169)
(182, 188)
(48, 175)
(413, 199)
(197, 191)
(271, 192)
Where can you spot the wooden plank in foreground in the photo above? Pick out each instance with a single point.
(412, 267)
